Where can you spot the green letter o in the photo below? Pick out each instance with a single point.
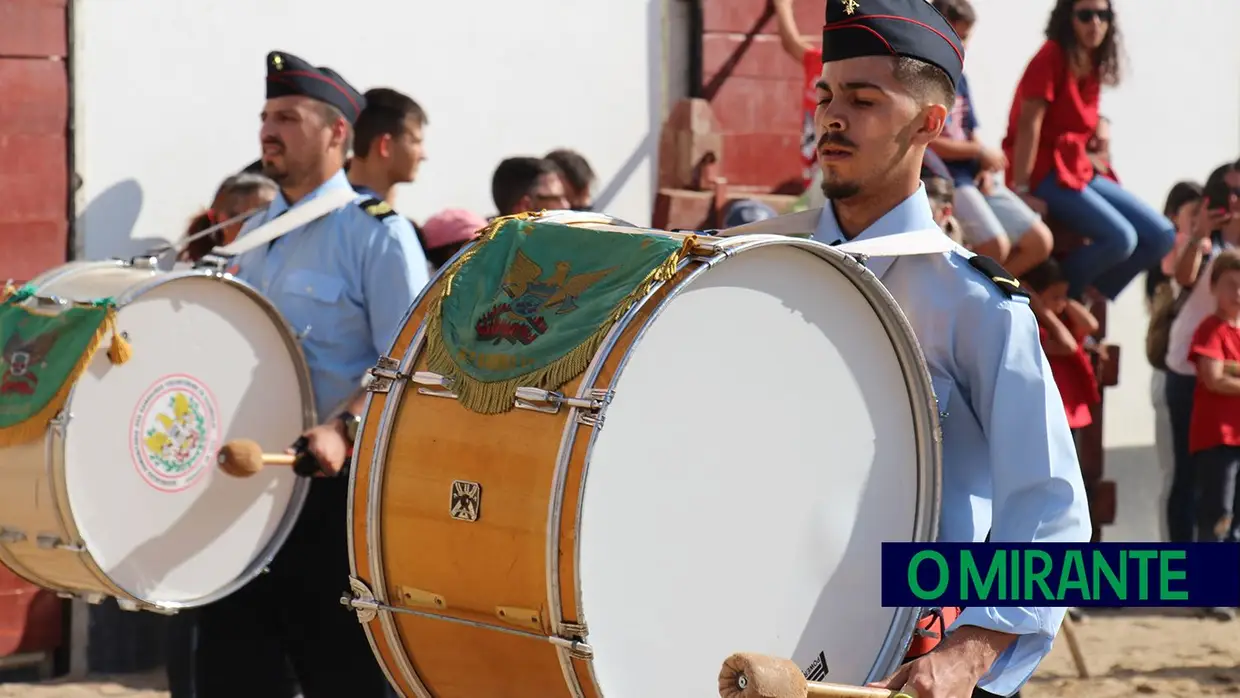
(944, 577)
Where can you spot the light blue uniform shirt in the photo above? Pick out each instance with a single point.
(1009, 463)
(344, 283)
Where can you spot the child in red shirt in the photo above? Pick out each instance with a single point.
(1064, 325)
(1214, 431)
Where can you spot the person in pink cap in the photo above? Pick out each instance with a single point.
(446, 232)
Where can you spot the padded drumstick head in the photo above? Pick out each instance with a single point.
(746, 675)
(240, 458)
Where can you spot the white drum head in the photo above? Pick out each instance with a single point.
(759, 449)
(160, 519)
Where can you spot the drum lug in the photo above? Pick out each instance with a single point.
(577, 630)
(439, 386)
(361, 600)
(51, 541)
(548, 402)
(384, 374)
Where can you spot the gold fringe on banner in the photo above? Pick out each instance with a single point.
(35, 426)
(499, 396)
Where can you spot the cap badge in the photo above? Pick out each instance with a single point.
(278, 60)
(850, 6)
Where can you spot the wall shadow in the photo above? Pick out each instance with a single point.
(104, 227)
(648, 146)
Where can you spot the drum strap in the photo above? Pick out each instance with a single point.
(914, 242)
(289, 221)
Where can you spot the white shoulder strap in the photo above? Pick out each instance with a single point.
(914, 242)
(292, 219)
(800, 223)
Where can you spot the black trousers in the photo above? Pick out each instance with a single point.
(1217, 469)
(292, 616)
(1182, 499)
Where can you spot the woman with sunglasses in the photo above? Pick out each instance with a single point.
(1054, 116)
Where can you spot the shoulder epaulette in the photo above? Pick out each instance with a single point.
(377, 208)
(999, 276)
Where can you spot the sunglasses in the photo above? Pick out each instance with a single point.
(1087, 16)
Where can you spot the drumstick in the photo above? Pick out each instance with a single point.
(746, 675)
(243, 458)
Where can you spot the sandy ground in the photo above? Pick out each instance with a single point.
(1148, 652)
(1155, 653)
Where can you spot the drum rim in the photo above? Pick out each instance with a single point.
(917, 379)
(58, 433)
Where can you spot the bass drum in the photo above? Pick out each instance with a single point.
(770, 422)
(121, 497)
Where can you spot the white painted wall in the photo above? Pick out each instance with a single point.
(1175, 116)
(168, 94)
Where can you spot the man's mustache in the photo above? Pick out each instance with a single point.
(273, 141)
(836, 140)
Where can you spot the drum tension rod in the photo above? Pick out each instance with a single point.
(550, 402)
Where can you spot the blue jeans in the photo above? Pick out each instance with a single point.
(1126, 236)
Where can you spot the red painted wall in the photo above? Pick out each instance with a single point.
(34, 120)
(755, 89)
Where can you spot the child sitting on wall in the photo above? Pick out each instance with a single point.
(1065, 326)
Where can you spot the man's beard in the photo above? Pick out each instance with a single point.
(837, 191)
(274, 172)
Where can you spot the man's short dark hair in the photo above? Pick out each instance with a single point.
(928, 83)
(516, 177)
(575, 168)
(331, 114)
(387, 112)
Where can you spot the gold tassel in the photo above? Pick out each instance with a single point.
(119, 351)
(9, 290)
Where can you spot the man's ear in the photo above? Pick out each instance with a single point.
(340, 132)
(385, 145)
(932, 119)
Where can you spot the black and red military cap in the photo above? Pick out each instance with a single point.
(288, 75)
(908, 28)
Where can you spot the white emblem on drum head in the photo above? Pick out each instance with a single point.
(466, 501)
(174, 431)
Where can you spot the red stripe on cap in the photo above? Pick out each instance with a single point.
(316, 76)
(881, 38)
(851, 22)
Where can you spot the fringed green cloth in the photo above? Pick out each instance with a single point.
(41, 357)
(530, 303)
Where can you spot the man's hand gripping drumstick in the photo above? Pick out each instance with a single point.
(747, 675)
(327, 442)
(245, 458)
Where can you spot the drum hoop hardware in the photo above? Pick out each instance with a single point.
(362, 601)
(550, 402)
(383, 375)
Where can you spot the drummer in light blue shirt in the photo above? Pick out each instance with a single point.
(344, 282)
(1009, 464)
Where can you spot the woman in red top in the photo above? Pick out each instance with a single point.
(1053, 118)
